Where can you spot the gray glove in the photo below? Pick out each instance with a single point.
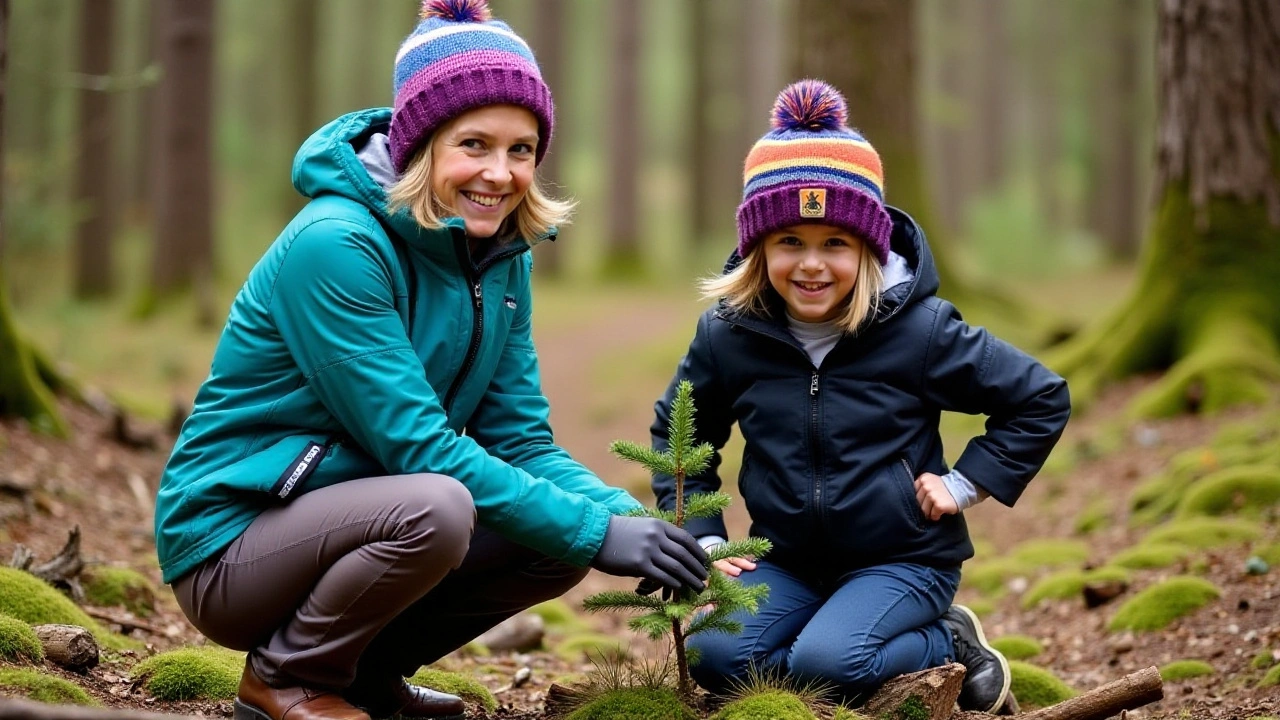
(652, 549)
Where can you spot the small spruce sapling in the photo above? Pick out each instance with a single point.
(675, 615)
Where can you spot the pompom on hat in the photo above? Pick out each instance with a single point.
(813, 168)
(459, 58)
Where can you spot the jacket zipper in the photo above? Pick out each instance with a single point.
(912, 506)
(815, 447)
(476, 277)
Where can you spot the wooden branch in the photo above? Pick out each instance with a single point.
(62, 571)
(1129, 692)
(126, 623)
(68, 646)
(12, 709)
(937, 688)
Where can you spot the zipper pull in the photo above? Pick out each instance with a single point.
(477, 290)
(813, 385)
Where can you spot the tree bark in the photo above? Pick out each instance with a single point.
(4, 67)
(300, 86)
(94, 177)
(626, 141)
(183, 240)
(1114, 200)
(68, 646)
(1129, 692)
(992, 108)
(936, 689)
(1204, 304)
(551, 43)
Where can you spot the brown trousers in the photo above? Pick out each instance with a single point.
(361, 583)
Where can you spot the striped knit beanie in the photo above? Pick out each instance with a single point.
(457, 59)
(813, 168)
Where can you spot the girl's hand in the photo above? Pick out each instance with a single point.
(934, 498)
(734, 566)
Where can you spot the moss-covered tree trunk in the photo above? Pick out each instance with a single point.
(867, 49)
(1207, 305)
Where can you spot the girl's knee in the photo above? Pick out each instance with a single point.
(720, 664)
(853, 669)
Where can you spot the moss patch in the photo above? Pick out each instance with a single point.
(1269, 553)
(43, 688)
(36, 602)
(988, 577)
(635, 704)
(1148, 556)
(1017, 647)
(464, 686)
(1184, 670)
(1158, 605)
(557, 614)
(120, 587)
(1051, 553)
(1035, 687)
(775, 705)
(193, 673)
(1248, 490)
(1204, 532)
(1271, 679)
(1095, 516)
(1067, 584)
(576, 648)
(18, 642)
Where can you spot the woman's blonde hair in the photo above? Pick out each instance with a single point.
(746, 288)
(534, 217)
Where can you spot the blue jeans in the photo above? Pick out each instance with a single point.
(871, 625)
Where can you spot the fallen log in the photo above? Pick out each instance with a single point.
(935, 690)
(62, 571)
(1129, 692)
(12, 709)
(68, 646)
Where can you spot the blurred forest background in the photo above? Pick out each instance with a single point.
(148, 143)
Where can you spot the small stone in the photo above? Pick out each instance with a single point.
(1146, 436)
(1018, 585)
(522, 676)
(1250, 636)
(1256, 566)
(1233, 629)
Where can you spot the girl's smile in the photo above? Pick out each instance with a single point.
(813, 268)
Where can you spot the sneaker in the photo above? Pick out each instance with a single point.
(986, 676)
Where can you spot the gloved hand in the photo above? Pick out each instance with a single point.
(652, 549)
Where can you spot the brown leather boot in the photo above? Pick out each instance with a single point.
(256, 700)
(409, 701)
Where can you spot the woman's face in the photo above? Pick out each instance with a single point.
(482, 165)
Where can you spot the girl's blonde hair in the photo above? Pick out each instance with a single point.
(534, 217)
(746, 288)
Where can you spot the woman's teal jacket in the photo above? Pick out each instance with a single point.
(350, 353)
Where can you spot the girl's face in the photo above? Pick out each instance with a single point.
(813, 268)
(482, 165)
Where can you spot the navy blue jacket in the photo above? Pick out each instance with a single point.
(832, 452)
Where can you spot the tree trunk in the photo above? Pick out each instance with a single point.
(626, 139)
(300, 89)
(1113, 202)
(702, 142)
(22, 392)
(1045, 89)
(1204, 306)
(992, 110)
(94, 177)
(551, 44)
(183, 241)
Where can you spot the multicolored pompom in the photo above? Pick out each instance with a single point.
(457, 10)
(810, 105)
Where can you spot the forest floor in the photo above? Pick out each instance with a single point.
(106, 488)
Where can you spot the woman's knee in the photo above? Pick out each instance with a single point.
(437, 513)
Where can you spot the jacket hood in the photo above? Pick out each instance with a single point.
(350, 157)
(908, 242)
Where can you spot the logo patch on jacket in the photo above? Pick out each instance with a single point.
(299, 470)
(813, 202)
(510, 300)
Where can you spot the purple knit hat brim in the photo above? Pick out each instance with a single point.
(444, 91)
(778, 207)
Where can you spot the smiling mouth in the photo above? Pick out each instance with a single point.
(485, 200)
(811, 286)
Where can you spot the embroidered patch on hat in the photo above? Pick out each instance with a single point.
(813, 202)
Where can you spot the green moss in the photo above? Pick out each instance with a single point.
(1017, 647)
(18, 642)
(36, 602)
(577, 647)
(464, 686)
(1156, 497)
(1184, 670)
(1271, 678)
(1095, 516)
(43, 688)
(1149, 556)
(1051, 553)
(557, 614)
(1249, 489)
(844, 713)
(913, 708)
(981, 607)
(1069, 583)
(634, 704)
(1158, 605)
(192, 673)
(1205, 532)
(989, 576)
(1270, 553)
(776, 705)
(122, 587)
(1035, 687)
(1262, 660)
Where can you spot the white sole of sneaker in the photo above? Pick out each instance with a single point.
(1004, 664)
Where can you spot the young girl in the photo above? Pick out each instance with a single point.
(831, 351)
(368, 480)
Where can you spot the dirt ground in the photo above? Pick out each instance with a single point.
(106, 489)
